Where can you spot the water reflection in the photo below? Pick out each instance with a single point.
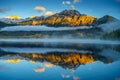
(39, 70)
(65, 60)
(13, 61)
(60, 63)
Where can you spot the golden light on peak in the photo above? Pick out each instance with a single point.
(32, 17)
(14, 17)
(31, 61)
(13, 61)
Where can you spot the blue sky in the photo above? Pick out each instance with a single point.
(26, 8)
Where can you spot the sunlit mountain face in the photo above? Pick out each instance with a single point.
(13, 17)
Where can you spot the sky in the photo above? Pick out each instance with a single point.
(26, 8)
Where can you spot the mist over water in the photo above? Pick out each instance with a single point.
(49, 32)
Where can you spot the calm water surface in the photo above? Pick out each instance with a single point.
(60, 62)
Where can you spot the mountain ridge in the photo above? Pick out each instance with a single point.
(64, 18)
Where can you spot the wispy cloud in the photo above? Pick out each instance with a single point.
(49, 65)
(66, 75)
(40, 8)
(71, 4)
(2, 67)
(2, 10)
(49, 13)
(72, 7)
(39, 70)
(75, 78)
(76, 1)
(66, 2)
(118, 0)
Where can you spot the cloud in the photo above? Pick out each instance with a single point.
(49, 65)
(40, 8)
(39, 70)
(49, 13)
(117, 78)
(72, 7)
(4, 67)
(118, 0)
(76, 1)
(66, 2)
(2, 10)
(65, 76)
(2, 16)
(75, 78)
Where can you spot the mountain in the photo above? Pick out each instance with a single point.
(2, 24)
(114, 35)
(71, 18)
(66, 60)
(68, 13)
(68, 18)
(104, 19)
(10, 21)
(107, 23)
(14, 17)
(35, 18)
(64, 18)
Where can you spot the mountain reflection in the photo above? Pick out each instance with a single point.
(14, 61)
(65, 56)
(66, 60)
(41, 69)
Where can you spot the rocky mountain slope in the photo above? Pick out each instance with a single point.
(71, 18)
(107, 23)
(103, 20)
(3, 24)
(11, 21)
(64, 18)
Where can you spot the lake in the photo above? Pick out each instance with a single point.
(59, 61)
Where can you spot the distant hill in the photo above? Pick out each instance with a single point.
(107, 23)
(10, 21)
(114, 35)
(104, 19)
(2, 24)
